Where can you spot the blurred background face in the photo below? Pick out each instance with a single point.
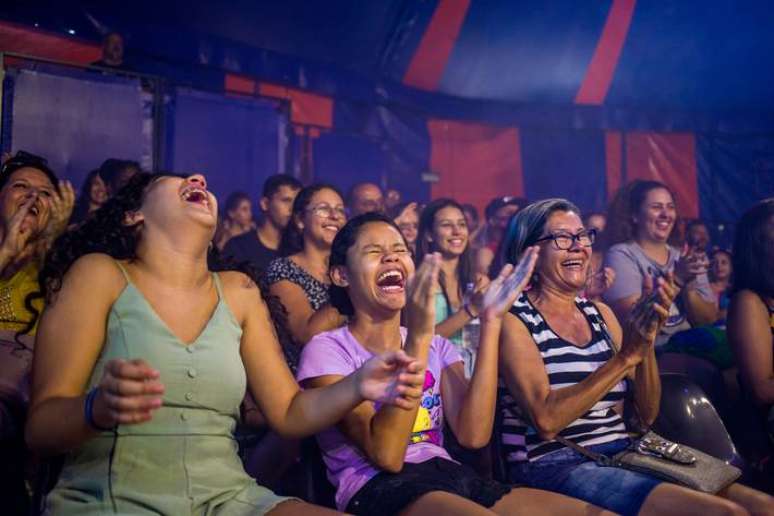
(697, 236)
(471, 217)
(24, 183)
(503, 216)
(408, 223)
(97, 191)
(367, 198)
(596, 221)
(656, 216)
(279, 207)
(392, 199)
(113, 49)
(721, 267)
(243, 214)
(450, 232)
(324, 217)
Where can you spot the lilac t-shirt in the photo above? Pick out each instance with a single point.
(337, 352)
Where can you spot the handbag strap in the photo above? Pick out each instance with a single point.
(599, 458)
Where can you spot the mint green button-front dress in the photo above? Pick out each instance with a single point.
(184, 461)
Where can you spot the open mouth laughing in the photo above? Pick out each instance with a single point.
(196, 195)
(392, 281)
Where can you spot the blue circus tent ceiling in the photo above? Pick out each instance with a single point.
(527, 94)
(686, 55)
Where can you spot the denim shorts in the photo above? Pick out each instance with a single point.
(572, 474)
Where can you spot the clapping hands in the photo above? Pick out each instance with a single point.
(503, 291)
(393, 377)
(648, 316)
(692, 263)
(420, 298)
(61, 205)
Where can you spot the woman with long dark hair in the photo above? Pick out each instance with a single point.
(237, 218)
(751, 314)
(93, 194)
(385, 461)
(567, 365)
(299, 279)
(443, 229)
(139, 381)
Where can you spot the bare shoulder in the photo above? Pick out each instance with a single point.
(98, 269)
(748, 300)
(241, 293)
(88, 271)
(607, 313)
(238, 282)
(514, 329)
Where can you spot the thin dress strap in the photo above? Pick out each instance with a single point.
(218, 285)
(123, 271)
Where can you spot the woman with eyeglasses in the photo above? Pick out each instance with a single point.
(395, 462)
(567, 366)
(300, 278)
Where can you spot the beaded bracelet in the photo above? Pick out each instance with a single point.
(88, 412)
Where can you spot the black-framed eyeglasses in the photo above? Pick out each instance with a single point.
(565, 241)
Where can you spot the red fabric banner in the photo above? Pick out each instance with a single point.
(476, 163)
(429, 62)
(666, 157)
(602, 67)
(37, 43)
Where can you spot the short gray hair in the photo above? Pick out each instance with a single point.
(525, 228)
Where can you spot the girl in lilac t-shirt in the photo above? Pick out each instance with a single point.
(338, 352)
(384, 460)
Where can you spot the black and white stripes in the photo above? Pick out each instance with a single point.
(566, 364)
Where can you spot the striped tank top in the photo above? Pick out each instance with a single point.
(566, 365)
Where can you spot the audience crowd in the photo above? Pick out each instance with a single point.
(160, 355)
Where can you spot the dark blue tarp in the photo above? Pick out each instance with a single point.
(569, 164)
(77, 120)
(235, 142)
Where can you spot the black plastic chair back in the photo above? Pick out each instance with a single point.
(688, 417)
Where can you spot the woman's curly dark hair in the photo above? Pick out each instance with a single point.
(624, 207)
(106, 232)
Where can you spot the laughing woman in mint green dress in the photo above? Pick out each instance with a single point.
(144, 355)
